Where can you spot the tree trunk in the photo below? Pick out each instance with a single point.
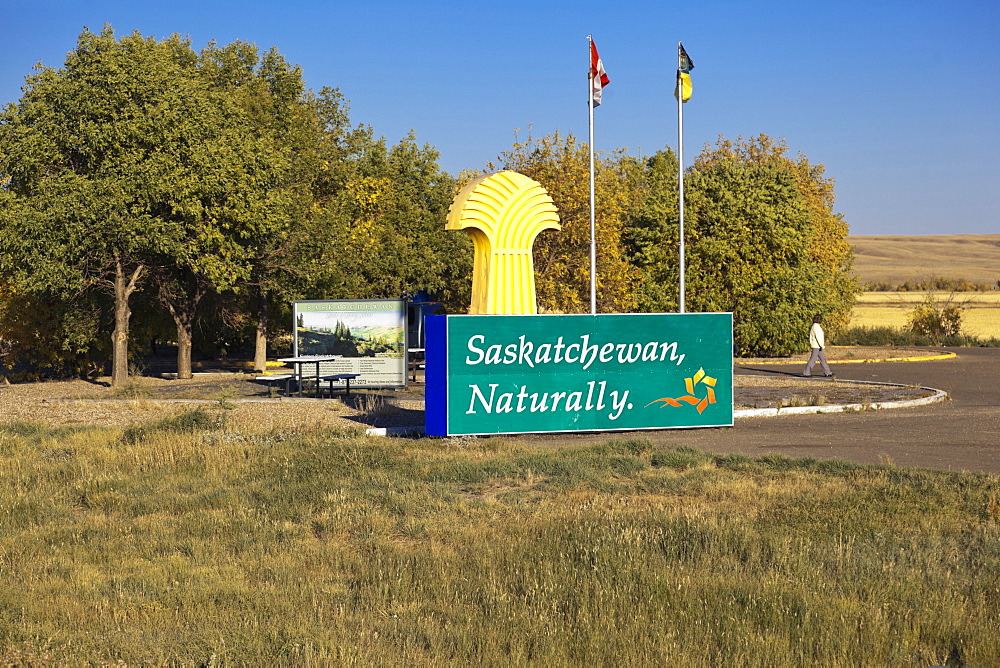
(184, 328)
(183, 307)
(260, 344)
(124, 287)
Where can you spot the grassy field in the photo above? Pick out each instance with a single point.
(187, 541)
(896, 259)
(981, 316)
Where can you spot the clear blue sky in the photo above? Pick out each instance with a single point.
(899, 99)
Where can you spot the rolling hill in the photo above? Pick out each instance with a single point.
(896, 259)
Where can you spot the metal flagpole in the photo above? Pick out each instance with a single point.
(680, 169)
(593, 241)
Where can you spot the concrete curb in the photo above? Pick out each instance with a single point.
(395, 431)
(937, 355)
(937, 397)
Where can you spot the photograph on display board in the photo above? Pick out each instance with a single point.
(352, 333)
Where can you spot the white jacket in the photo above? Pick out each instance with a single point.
(816, 338)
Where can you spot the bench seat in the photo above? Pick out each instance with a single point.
(334, 377)
(275, 378)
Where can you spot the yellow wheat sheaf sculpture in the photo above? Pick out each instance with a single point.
(503, 213)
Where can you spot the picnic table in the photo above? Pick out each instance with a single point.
(334, 377)
(303, 360)
(274, 378)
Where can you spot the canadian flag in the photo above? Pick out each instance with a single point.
(598, 77)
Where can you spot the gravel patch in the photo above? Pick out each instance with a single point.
(247, 405)
(781, 391)
(250, 406)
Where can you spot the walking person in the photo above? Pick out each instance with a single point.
(817, 341)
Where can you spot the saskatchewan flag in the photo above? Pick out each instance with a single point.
(684, 67)
(684, 62)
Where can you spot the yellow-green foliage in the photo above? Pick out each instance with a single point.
(562, 258)
(48, 337)
(936, 319)
(767, 244)
(187, 542)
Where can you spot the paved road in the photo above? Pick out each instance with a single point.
(961, 434)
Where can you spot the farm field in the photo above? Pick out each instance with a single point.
(897, 259)
(981, 315)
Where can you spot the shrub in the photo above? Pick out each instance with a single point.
(891, 336)
(183, 423)
(939, 283)
(879, 336)
(936, 319)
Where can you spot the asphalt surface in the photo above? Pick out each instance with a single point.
(962, 434)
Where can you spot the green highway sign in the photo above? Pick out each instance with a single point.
(496, 374)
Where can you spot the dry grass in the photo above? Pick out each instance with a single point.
(980, 317)
(191, 543)
(896, 259)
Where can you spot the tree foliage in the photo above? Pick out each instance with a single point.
(562, 258)
(214, 177)
(143, 159)
(762, 241)
(382, 216)
(652, 233)
(49, 337)
(129, 158)
(828, 244)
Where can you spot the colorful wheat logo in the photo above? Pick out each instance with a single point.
(701, 403)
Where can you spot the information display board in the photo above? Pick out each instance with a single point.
(368, 335)
(508, 374)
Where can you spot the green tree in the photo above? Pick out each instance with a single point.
(765, 244)
(72, 167)
(652, 233)
(829, 246)
(382, 216)
(46, 335)
(562, 259)
(296, 127)
(298, 256)
(762, 240)
(251, 191)
(141, 158)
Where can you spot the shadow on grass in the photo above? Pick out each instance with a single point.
(374, 409)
